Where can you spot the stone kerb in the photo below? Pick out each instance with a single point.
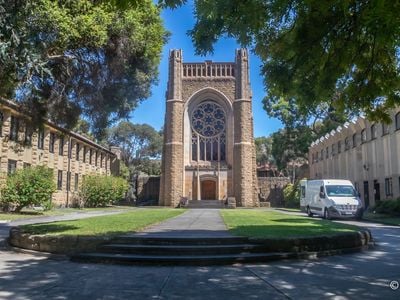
(64, 244)
(353, 240)
(301, 247)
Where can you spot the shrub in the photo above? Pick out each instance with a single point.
(391, 207)
(101, 190)
(291, 195)
(29, 186)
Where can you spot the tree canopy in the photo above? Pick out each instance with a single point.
(65, 59)
(342, 54)
(141, 146)
(264, 150)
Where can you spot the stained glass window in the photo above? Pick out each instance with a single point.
(208, 128)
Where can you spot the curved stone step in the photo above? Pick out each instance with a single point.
(177, 241)
(179, 259)
(182, 249)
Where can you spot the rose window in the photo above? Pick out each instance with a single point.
(208, 132)
(208, 119)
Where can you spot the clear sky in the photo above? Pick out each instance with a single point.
(178, 22)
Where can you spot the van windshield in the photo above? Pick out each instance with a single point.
(340, 191)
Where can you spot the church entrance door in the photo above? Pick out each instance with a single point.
(208, 190)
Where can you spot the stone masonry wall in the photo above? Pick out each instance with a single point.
(224, 85)
(32, 155)
(235, 85)
(270, 189)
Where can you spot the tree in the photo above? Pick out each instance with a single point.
(140, 144)
(342, 54)
(64, 59)
(291, 144)
(264, 150)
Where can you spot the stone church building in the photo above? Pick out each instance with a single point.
(209, 151)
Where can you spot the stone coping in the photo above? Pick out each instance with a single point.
(357, 239)
(62, 244)
(71, 244)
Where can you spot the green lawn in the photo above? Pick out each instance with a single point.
(105, 225)
(30, 213)
(382, 218)
(273, 224)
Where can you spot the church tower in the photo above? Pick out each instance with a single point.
(209, 151)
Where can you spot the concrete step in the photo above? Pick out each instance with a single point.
(162, 250)
(119, 258)
(178, 251)
(176, 241)
(206, 204)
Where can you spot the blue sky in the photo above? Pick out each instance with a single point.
(178, 22)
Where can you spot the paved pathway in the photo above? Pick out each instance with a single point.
(192, 223)
(364, 275)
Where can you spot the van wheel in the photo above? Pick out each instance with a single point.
(327, 215)
(309, 213)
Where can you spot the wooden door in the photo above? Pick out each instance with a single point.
(208, 190)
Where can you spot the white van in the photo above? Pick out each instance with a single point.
(330, 198)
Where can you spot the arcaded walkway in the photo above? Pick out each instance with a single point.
(194, 222)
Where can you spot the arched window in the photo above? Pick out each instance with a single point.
(354, 140)
(346, 143)
(373, 131)
(208, 132)
(363, 136)
(397, 119)
(385, 128)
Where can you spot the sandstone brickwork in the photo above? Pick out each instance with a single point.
(271, 190)
(70, 161)
(364, 152)
(233, 173)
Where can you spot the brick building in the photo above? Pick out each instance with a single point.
(209, 151)
(71, 156)
(364, 152)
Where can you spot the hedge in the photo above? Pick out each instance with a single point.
(391, 207)
(291, 196)
(29, 186)
(102, 190)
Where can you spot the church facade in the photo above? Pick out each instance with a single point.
(209, 151)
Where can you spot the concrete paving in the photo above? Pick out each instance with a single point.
(364, 275)
(192, 223)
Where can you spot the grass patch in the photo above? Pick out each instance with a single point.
(31, 213)
(382, 218)
(273, 224)
(105, 225)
